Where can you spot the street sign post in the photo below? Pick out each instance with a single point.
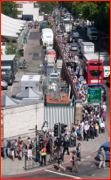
(94, 95)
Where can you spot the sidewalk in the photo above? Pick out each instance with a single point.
(9, 167)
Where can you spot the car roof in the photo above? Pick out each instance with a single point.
(107, 144)
(74, 45)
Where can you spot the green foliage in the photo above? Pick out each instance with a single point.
(97, 11)
(54, 16)
(50, 26)
(47, 6)
(9, 8)
(12, 48)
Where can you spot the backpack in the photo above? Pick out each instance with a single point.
(30, 146)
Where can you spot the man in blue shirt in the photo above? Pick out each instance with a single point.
(4, 149)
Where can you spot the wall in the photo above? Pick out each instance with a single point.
(41, 18)
(64, 115)
(18, 120)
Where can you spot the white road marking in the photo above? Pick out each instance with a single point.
(87, 157)
(11, 88)
(74, 177)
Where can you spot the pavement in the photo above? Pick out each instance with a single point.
(89, 149)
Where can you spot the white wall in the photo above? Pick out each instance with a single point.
(18, 120)
(41, 18)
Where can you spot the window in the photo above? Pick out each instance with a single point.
(20, 12)
(19, 5)
(95, 64)
(95, 73)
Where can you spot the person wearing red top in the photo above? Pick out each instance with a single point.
(20, 150)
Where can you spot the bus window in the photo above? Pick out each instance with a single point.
(95, 64)
(95, 73)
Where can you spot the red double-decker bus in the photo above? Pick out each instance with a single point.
(93, 70)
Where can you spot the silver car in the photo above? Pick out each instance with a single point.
(4, 85)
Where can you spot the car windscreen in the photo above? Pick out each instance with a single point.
(106, 149)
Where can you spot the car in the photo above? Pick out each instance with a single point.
(70, 39)
(78, 26)
(106, 147)
(104, 93)
(4, 85)
(74, 47)
(108, 80)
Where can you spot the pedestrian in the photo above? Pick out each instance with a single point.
(92, 129)
(79, 151)
(43, 155)
(16, 148)
(66, 146)
(20, 150)
(8, 147)
(72, 139)
(60, 159)
(86, 130)
(74, 161)
(75, 137)
(12, 150)
(29, 148)
(96, 130)
(102, 158)
(4, 149)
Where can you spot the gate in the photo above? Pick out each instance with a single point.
(64, 115)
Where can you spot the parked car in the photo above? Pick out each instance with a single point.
(104, 93)
(70, 39)
(106, 147)
(74, 47)
(4, 85)
(108, 80)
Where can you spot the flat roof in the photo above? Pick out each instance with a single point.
(31, 78)
(91, 56)
(64, 100)
(7, 57)
(88, 43)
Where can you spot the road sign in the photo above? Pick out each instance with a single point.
(94, 95)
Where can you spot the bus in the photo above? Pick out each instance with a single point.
(93, 70)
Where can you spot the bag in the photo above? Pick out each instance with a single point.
(30, 146)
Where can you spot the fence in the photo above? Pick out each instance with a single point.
(65, 115)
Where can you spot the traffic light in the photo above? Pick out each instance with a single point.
(62, 128)
(56, 133)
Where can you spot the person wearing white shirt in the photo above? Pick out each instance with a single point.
(86, 130)
(104, 107)
(102, 127)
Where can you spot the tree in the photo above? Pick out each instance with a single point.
(12, 48)
(47, 6)
(9, 8)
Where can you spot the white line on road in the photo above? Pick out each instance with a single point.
(61, 174)
(11, 88)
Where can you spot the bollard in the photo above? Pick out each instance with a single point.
(25, 161)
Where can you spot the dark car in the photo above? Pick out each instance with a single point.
(70, 39)
(108, 80)
(104, 93)
(78, 26)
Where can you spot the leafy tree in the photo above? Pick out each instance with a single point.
(9, 8)
(12, 48)
(47, 6)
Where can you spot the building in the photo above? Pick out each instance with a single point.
(28, 10)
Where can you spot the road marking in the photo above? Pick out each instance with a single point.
(75, 177)
(87, 157)
(11, 88)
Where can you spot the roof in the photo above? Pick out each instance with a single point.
(64, 100)
(7, 57)
(107, 144)
(10, 26)
(7, 101)
(88, 43)
(91, 56)
(31, 78)
(29, 93)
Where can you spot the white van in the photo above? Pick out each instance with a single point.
(47, 37)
